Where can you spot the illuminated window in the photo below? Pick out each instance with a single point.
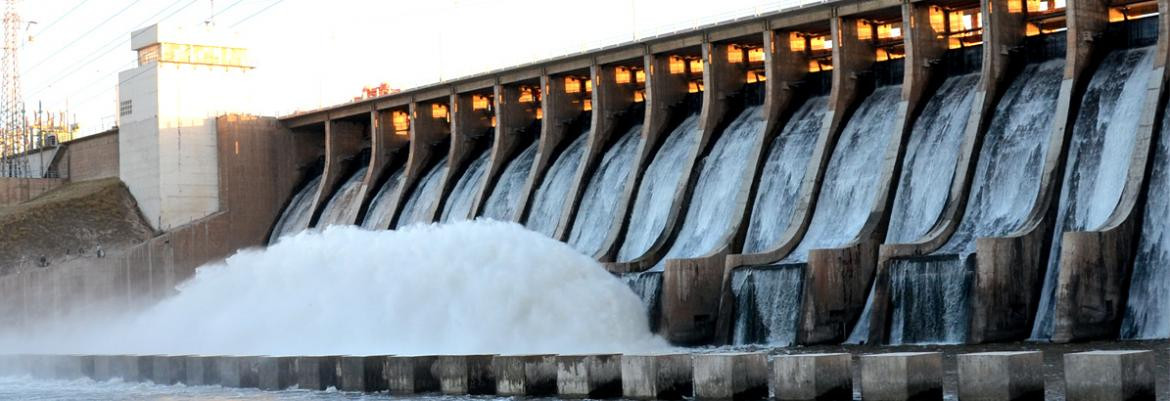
(438, 111)
(539, 113)
(755, 76)
(526, 95)
(677, 65)
(796, 42)
(938, 19)
(864, 30)
(640, 76)
(821, 43)
(696, 66)
(621, 75)
(589, 85)
(734, 54)
(889, 31)
(756, 55)
(639, 96)
(479, 102)
(493, 121)
(1032, 30)
(401, 122)
(587, 105)
(148, 54)
(695, 87)
(572, 85)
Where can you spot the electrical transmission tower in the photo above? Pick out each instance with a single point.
(14, 136)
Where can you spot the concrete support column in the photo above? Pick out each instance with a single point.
(610, 101)
(430, 125)
(738, 376)
(277, 372)
(411, 374)
(466, 374)
(361, 373)
(385, 147)
(813, 377)
(167, 370)
(513, 122)
(201, 371)
(471, 131)
(343, 140)
(589, 376)
(657, 377)
(525, 375)
(1109, 376)
(316, 372)
(1096, 266)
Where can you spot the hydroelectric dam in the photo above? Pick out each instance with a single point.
(846, 175)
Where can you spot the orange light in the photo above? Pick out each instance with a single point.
(695, 87)
(539, 113)
(479, 102)
(640, 76)
(696, 66)
(889, 31)
(401, 123)
(864, 30)
(756, 55)
(438, 111)
(621, 75)
(493, 121)
(589, 85)
(755, 76)
(572, 85)
(734, 54)
(677, 65)
(639, 96)
(587, 105)
(796, 42)
(1032, 30)
(1115, 15)
(937, 19)
(821, 43)
(526, 95)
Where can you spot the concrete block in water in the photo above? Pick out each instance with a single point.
(66, 367)
(316, 372)
(589, 376)
(411, 374)
(145, 368)
(1109, 375)
(276, 372)
(661, 377)
(465, 374)
(238, 371)
(361, 373)
(200, 370)
(902, 376)
(125, 367)
(168, 370)
(1001, 376)
(533, 375)
(731, 376)
(103, 367)
(809, 377)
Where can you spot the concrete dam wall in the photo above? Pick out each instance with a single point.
(861, 171)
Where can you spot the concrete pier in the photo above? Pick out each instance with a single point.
(731, 376)
(145, 367)
(168, 370)
(124, 367)
(103, 366)
(276, 372)
(811, 377)
(466, 374)
(1109, 376)
(201, 371)
(589, 376)
(528, 375)
(411, 374)
(238, 371)
(361, 373)
(68, 367)
(316, 372)
(661, 377)
(1001, 376)
(902, 376)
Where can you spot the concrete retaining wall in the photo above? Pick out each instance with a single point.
(17, 190)
(89, 158)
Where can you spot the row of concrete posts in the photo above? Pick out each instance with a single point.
(1095, 375)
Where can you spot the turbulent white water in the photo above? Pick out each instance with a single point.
(1098, 158)
(930, 290)
(648, 288)
(422, 201)
(380, 214)
(656, 192)
(549, 201)
(710, 212)
(852, 176)
(932, 154)
(1147, 312)
(461, 288)
(598, 208)
(505, 197)
(459, 203)
(783, 175)
(767, 304)
(342, 208)
(297, 215)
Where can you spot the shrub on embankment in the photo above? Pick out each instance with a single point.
(78, 219)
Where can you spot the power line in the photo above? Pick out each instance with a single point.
(118, 40)
(67, 13)
(262, 10)
(82, 36)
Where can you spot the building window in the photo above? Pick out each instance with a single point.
(125, 107)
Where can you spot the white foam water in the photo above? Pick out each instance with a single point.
(848, 190)
(767, 304)
(505, 197)
(659, 185)
(297, 215)
(710, 212)
(459, 203)
(379, 213)
(342, 208)
(461, 288)
(1146, 311)
(421, 204)
(783, 175)
(598, 208)
(549, 201)
(1098, 158)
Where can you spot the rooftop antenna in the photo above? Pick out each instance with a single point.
(210, 13)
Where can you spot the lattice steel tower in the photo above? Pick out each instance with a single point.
(13, 133)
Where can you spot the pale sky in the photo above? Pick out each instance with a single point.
(314, 53)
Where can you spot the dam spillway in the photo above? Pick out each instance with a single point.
(847, 198)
